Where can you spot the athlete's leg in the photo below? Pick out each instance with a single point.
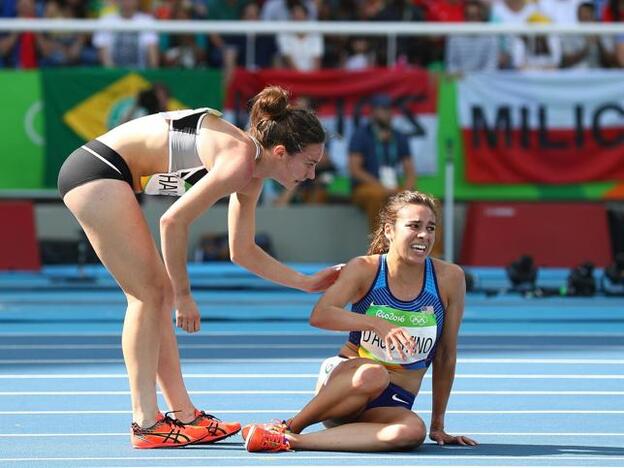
(114, 223)
(170, 377)
(349, 388)
(376, 430)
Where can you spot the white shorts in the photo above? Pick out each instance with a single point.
(327, 367)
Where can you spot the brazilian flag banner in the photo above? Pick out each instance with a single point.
(81, 104)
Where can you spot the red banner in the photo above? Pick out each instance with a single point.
(341, 98)
(330, 89)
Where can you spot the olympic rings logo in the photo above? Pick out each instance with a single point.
(418, 320)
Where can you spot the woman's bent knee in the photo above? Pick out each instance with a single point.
(408, 436)
(371, 379)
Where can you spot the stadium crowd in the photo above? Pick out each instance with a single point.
(307, 52)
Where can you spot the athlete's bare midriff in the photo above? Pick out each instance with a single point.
(144, 143)
(408, 379)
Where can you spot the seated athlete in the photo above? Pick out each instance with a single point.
(406, 312)
(200, 158)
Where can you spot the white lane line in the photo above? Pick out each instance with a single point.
(26, 347)
(187, 360)
(312, 346)
(181, 346)
(511, 347)
(469, 433)
(328, 333)
(222, 333)
(318, 466)
(186, 376)
(411, 465)
(293, 411)
(302, 360)
(310, 376)
(538, 361)
(196, 392)
(310, 392)
(298, 456)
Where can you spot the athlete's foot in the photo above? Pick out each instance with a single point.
(217, 429)
(264, 440)
(166, 433)
(276, 425)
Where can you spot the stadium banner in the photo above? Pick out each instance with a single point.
(545, 128)
(84, 103)
(341, 99)
(22, 130)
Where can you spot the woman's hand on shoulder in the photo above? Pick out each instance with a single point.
(323, 279)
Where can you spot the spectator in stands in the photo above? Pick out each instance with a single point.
(19, 49)
(510, 12)
(378, 156)
(336, 47)
(300, 51)
(539, 52)
(183, 50)
(63, 49)
(410, 49)
(220, 10)
(561, 11)
(471, 53)
(127, 49)
(445, 10)
(614, 12)
(373, 10)
(359, 55)
(236, 50)
(279, 10)
(586, 51)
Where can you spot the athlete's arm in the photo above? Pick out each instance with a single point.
(329, 312)
(230, 172)
(245, 252)
(453, 283)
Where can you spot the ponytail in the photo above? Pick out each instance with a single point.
(273, 121)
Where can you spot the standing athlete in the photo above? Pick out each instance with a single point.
(201, 158)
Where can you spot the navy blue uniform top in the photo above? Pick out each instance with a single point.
(423, 316)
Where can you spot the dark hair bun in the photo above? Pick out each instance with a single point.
(271, 103)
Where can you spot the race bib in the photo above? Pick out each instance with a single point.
(422, 326)
(174, 184)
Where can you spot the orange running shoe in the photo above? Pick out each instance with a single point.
(165, 433)
(264, 440)
(275, 425)
(217, 429)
